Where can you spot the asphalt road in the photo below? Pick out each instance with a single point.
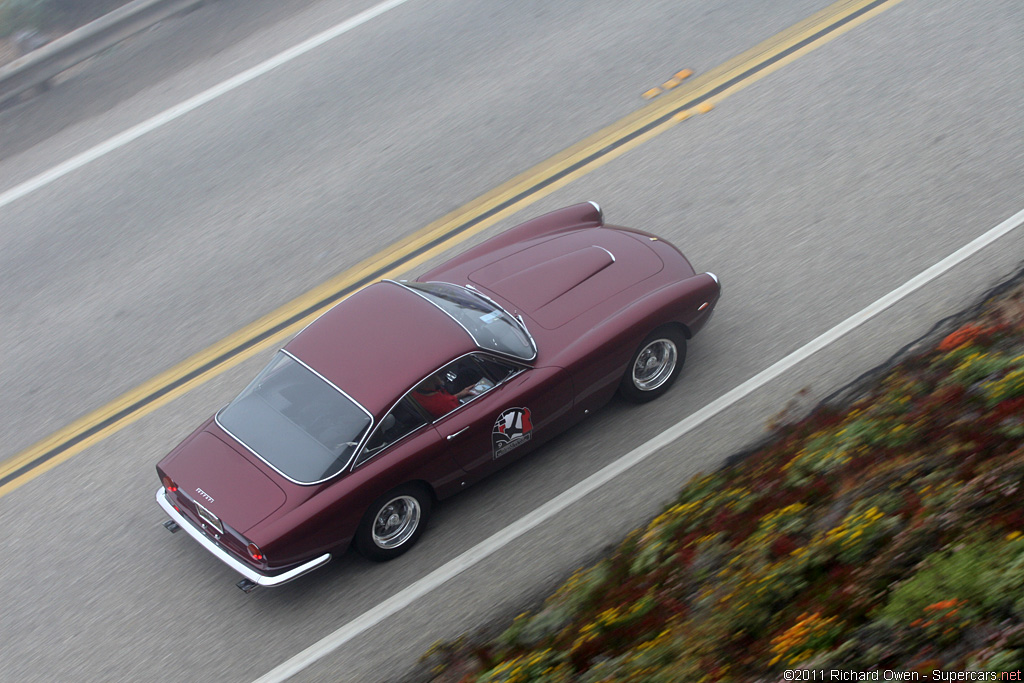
(810, 193)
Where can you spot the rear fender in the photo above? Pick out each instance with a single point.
(328, 520)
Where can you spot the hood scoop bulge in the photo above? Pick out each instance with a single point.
(558, 279)
(558, 275)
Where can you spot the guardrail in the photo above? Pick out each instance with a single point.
(41, 65)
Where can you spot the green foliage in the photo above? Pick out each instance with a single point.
(545, 666)
(658, 660)
(811, 634)
(979, 365)
(1002, 660)
(985, 576)
(822, 456)
(863, 431)
(574, 596)
(1009, 385)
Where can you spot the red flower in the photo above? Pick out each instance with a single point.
(965, 335)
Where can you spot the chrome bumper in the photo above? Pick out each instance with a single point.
(229, 559)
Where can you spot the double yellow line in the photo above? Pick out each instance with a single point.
(661, 114)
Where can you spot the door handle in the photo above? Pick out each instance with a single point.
(452, 436)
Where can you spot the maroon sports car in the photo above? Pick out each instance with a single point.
(407, 392)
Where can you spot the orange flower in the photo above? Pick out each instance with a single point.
(964, 335)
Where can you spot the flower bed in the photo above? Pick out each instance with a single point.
(885, 535)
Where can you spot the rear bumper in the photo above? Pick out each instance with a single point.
(268, 580)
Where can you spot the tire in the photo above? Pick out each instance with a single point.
(654, 366)
(394, 523)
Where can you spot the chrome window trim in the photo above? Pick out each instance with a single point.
(517, 316)
(519, 369)
(435, 305)
(474, 290)
(329, 382)
(356, 463)
(343, 468)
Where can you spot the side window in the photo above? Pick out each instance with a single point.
(403, 419)
(460, 382)
(496, 369)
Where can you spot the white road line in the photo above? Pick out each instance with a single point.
(441, 575)
(135, 132)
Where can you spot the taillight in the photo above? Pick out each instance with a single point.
(168, 484)
(255, 552)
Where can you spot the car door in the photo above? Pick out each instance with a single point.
(404, 446)
(499, 424)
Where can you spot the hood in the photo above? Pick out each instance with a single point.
(237, 491)
(558, 279)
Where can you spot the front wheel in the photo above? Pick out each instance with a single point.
(654, 366)
(393, 523)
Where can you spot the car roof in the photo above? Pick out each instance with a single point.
(378, 342)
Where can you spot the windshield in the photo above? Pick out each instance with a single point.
(296, 421)
(487, 323)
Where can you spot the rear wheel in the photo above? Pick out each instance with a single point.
(393, 523)
(654, 366)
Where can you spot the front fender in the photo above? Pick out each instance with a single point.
(601, 354)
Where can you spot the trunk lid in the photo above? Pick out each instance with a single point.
(218, 477)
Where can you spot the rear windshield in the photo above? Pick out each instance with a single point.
(296, 421)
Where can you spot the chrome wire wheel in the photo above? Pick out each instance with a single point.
(396, 522)
(655, 364)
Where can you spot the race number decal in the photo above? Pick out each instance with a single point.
(511, 430)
